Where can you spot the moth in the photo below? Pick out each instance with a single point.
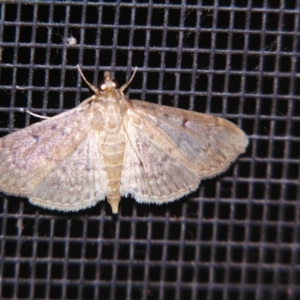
(112, 147)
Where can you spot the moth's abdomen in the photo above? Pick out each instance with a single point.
(113, 153)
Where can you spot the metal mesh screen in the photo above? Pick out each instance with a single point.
(237, 236)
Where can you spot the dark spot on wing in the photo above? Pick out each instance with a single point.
(184, 122)
(165, 158)
(36, 137)
(53, 127)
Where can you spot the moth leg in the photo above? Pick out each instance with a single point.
(88, 100)
(33, 114)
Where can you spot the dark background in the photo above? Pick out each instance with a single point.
(237, 236)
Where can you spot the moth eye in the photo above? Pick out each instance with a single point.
(102, 86)
(115, 84)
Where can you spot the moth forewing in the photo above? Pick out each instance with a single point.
(109, 146)
(173, 150)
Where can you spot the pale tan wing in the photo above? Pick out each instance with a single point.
(56, 163)
(170, 150)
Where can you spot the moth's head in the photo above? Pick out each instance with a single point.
(108, 87)
(107, 84)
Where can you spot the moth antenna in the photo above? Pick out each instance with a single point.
(92, 87)
(124, 86)
(33, 114)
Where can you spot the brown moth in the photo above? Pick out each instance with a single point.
(112, 147)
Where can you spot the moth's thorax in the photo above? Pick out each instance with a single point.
(112, 113)
(110, 92)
